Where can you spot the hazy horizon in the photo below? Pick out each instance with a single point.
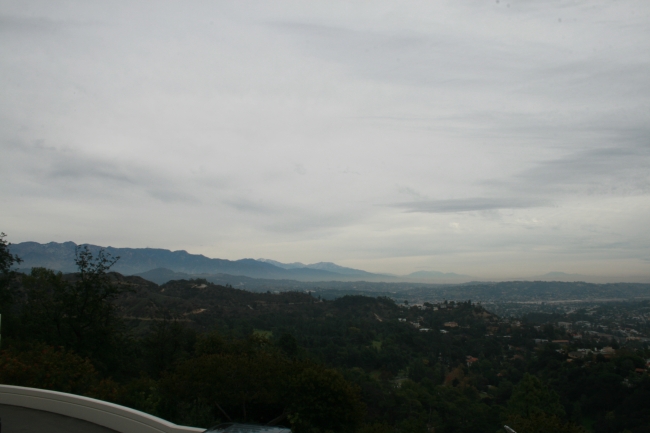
(496, 139)
(433, 277)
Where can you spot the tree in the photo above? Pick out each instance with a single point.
(46, 367)
(167, 342)
(531, 396)
(323, 401)
(244, 386)
(535, 408)
(288, 344)
(76, 311)
(7, 261)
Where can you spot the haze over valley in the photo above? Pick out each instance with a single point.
(161, 265)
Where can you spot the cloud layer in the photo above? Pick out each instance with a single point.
(494, 139)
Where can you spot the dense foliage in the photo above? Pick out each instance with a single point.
(7, 261)
(198, 353)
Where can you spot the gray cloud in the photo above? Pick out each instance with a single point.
(174, 197)
(478, 135)
(81, 169)
(74, 171)
(311, 222)
(469, 205)
(23, 24)
(291, 219)
(411, 58)
(249, 206)
(614, 171)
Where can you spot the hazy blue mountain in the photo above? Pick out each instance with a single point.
(283, 265)
(161, 265)
(331, 267)
(325, 266)
(57, 256)
(60, 257)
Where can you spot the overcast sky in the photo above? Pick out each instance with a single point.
(493, 138)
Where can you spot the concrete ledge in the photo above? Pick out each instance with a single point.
(119, 418)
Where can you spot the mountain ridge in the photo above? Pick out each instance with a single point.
(180, 263)
(323, 266)
(61, 256)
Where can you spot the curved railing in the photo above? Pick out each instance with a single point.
(109, 415)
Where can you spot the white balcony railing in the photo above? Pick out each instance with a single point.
(119, 418)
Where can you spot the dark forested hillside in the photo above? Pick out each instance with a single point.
(199, 353)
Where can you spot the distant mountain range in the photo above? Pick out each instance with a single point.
(160, 265)
(420, 276)
(329, 267)
(60, 256)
